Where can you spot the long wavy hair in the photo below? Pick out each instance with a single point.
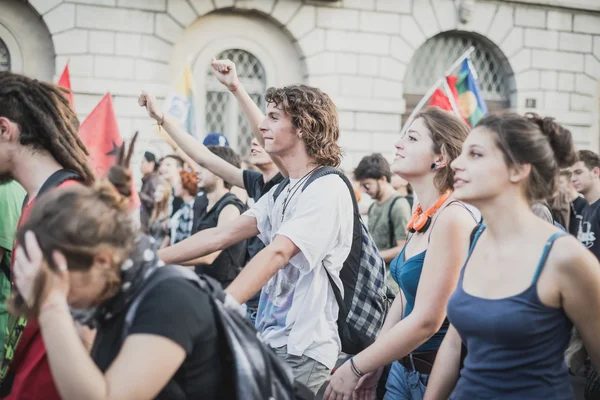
(314, 113)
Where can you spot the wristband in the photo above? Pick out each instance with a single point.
(355, 369)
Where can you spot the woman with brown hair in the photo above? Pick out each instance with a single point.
(80, 249)
(525, 282)
(182, 221)
(158, 224)
(426, 269)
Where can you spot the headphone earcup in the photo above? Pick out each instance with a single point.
(422, 223)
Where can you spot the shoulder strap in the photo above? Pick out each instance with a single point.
(391, 223)
(280, 187)
(321, 172)
(460, 203)
(160, 275)
(324, 171)
(55, 180)
(546, 253)
(229, 199)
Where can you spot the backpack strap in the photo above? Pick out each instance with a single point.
(391, 223)
(55, 180)
(319, 173)
(230, 199)
(173, 389)
(324, 171)
(162, 274)
(280, 187)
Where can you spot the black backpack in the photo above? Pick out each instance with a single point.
(257, 371)
(366, 297)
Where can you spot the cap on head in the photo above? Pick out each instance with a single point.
(150, 157)
(215, 139)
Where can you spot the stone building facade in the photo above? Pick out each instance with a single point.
(375, 58)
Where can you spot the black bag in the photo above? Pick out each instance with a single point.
(365, 302)
(258, 373)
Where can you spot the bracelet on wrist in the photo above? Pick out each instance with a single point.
(355, 369)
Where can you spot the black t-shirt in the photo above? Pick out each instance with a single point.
(590, 228)
(176, 204)
(177, 310)
(232, 259)
(255, 185)
(577, 207)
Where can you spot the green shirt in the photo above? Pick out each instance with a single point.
(379, 221)
(11, 202)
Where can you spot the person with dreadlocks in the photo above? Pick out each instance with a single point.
(39, 148)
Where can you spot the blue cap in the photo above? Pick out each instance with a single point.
(215, 139)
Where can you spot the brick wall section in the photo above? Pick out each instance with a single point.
(358, 51)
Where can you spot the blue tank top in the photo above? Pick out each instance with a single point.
(515, 345)
(407, 273)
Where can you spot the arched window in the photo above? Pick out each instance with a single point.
(4, 57)
(222, 112)
(438, 53)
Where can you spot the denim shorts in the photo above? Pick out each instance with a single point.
(405, 384)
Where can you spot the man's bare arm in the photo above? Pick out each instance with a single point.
(210, 240)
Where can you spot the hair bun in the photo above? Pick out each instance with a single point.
(559, 137)
(109, 194)
(115, 189)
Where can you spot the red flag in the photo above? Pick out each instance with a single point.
(100, 134)
(439, 98)
(65, 82)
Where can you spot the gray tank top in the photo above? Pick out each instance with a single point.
(515, 345)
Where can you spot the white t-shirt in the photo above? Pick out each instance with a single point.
(297, 307)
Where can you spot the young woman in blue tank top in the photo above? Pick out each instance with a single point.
(427, 269)
(525, 282)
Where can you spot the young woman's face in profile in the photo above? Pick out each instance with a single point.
(480, 171)
(414, 152)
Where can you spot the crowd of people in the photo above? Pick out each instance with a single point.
(485, 236)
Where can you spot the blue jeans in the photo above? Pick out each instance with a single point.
(405, 384)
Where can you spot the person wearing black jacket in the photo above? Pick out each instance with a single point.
(149, 168)
(218, 207)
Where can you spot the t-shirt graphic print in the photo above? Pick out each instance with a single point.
(590, 228)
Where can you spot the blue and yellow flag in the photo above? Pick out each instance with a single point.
(180, 102)
(470, 101)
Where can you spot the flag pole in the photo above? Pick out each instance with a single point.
(451, 99)
(424, 99)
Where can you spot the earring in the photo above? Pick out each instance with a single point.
(434, 166)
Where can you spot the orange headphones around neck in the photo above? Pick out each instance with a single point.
(420, 220)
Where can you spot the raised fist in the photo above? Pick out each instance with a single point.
(225, 72)
(149, 101)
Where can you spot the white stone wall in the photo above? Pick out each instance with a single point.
(356, 50)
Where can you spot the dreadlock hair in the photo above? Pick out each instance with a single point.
(81, 222)
(46, 121)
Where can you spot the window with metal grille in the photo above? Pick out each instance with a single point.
(4, 57)
(223, 115)
(438, 53)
